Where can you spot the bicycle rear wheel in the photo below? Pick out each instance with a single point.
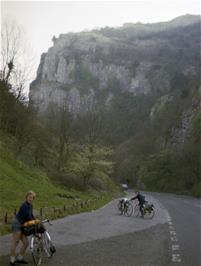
(36, 249)
(128, 209)
(149, 214)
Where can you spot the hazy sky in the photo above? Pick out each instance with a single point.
(43, 19)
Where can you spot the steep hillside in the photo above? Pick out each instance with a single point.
(16, 178)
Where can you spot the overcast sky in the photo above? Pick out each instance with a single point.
(43, 19)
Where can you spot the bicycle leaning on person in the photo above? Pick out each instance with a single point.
(24, 215)
(141, 200)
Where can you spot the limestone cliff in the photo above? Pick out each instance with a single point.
(80, 64)
(86, 69)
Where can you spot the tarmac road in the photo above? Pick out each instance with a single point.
(105, 238)
(185, 221)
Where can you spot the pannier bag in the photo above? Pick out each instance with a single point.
(33, 227)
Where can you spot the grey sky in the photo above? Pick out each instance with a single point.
(43, 19)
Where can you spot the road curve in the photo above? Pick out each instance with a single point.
(99, 224)
(184, 227)
(105, 238)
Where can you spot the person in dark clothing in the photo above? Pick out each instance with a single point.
(141, 200)
(24, 214)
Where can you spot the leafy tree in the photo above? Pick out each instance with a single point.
(90, 162)
(161, 171)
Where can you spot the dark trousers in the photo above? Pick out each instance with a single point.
(142, 208)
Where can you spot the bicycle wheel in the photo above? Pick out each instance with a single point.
(47, 244)
(149, 214)
(137, 210)
(120, 207)
(36, 249)
(129, 209)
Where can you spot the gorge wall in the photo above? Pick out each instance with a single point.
(89, 69)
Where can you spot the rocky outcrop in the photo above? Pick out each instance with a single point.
(141, 59)
(180, 133)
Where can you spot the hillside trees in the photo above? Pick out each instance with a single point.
(16, 118)
(89, 126)
(81, 159)
(17, 121)
(126, 115)
(191, 157)
(59, 121)
(175, 168)
(56, 145)
(144, 133)
(91, 163)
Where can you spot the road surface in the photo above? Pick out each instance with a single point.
(105, 238)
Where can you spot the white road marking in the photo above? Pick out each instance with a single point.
(171, 227)
(173, 237)
(176, 258)
(175, 247)
(173, 233)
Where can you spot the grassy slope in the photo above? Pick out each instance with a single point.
(16, 179)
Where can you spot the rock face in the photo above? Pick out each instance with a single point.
(128, 58)
(85, 69)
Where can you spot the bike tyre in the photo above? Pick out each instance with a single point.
(129, 210)
(137, 211)
(150, 215)
(36, 250)
(120, 208)
(47, 244)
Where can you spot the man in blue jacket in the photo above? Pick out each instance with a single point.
(141, 200)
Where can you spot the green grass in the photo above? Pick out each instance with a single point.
(16, 179)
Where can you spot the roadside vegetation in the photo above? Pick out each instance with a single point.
(52, 200)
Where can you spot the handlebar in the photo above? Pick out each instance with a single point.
(46, 221)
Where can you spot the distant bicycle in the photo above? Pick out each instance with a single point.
(125, 207)
(148, 210)
(41, 244)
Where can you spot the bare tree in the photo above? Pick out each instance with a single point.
(15, 64)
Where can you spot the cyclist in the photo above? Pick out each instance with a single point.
(141, 200)
(24, 214)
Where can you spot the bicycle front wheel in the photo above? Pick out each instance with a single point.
(137, 210)
(129, 209)
(120, 207)
(36, 249)
(47, 244)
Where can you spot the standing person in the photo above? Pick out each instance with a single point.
(141, 200)
(24, 214)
